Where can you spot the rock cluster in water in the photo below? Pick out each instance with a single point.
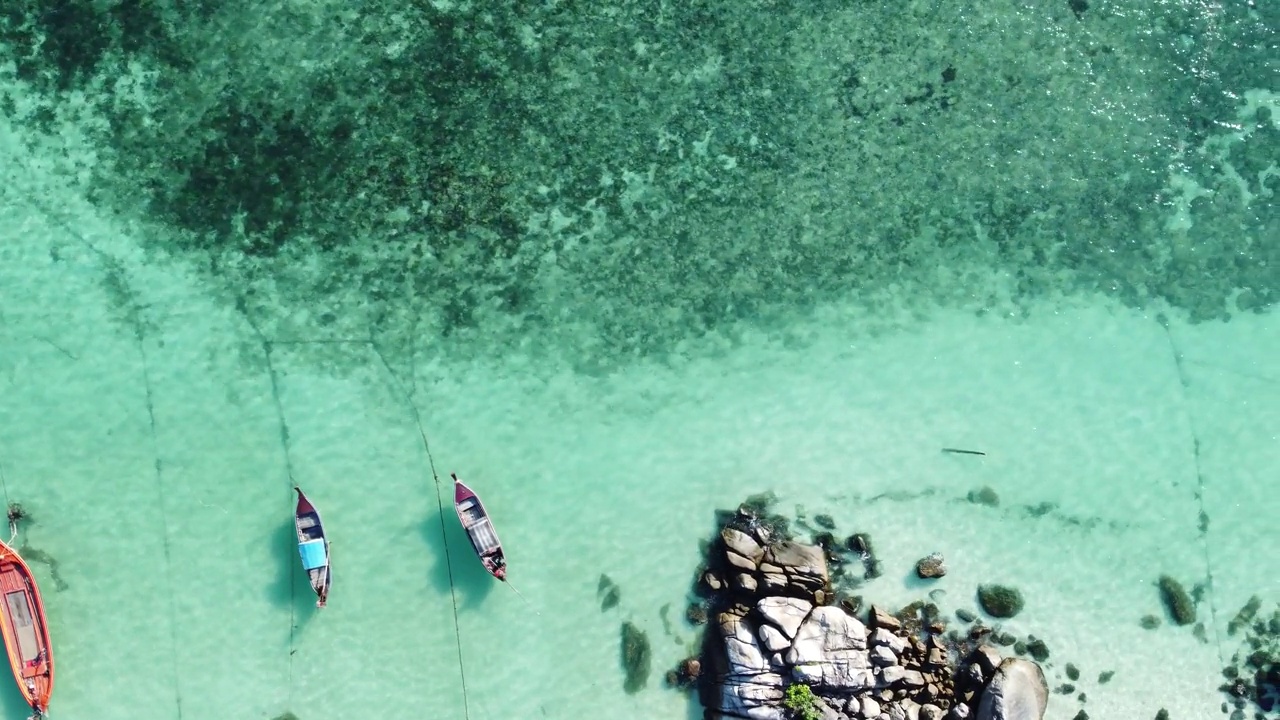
(1253, 676)
(777, 648)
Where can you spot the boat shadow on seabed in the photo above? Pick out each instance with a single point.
(470, 579)
(290, 589)
(11, 703)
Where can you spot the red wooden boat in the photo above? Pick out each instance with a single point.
(313, 546)
(484, 540)
(26, 631)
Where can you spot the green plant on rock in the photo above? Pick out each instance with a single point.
(801, 701)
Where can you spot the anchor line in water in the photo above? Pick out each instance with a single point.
(161, 492)
(267, 346)
(1204, 515)
(114, 277)
(5, 484)
(435, 477)
(8, 504)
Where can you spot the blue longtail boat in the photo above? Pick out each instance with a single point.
(313, 546)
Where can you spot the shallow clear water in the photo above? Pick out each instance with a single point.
(624, 265)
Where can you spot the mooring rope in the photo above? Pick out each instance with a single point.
(1184, 383)
(5, 484)
(8, 504)
(435, 477)
(288, 466)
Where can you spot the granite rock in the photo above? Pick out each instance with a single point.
(931, 567)
(830, 651)
(743, 545)
(1017, 692)
(784, 613)
(803, 568)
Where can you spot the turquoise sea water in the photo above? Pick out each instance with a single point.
(624, 264)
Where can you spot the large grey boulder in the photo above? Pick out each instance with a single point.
(1017, 692)
(751, 688)
(884, 638)
(758, 697)
(741, 645)
(741, 550)
(773, 639)
(784, 613)
(791, 568)
(830, 650)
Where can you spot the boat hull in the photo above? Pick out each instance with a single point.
(313, 547)
(475, 520)
(26, 631)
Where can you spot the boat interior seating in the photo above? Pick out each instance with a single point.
(483, 537)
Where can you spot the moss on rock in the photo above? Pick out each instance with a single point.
(1000, 601)
(636, 658)
(1177, 601)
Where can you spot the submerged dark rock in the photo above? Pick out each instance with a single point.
(1253, 673)
(1245, 617)
(636, 658)
(984, 496)
(1000, 601)
(608, 593)
(1176, 600)
(696, 614)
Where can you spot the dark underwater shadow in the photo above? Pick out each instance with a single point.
(912, 581)
(291, 590)
(11, 703)
(470, 580)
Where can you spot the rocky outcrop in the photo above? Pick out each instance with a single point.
(774, 627)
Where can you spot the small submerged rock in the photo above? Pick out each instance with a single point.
(686, 673)
(984, 496)
(608, 593)
(931, 567)
(696, 614)
(1000, 601)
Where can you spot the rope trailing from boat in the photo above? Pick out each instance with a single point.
(288, 466)
(426, 445)
(8, 504)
